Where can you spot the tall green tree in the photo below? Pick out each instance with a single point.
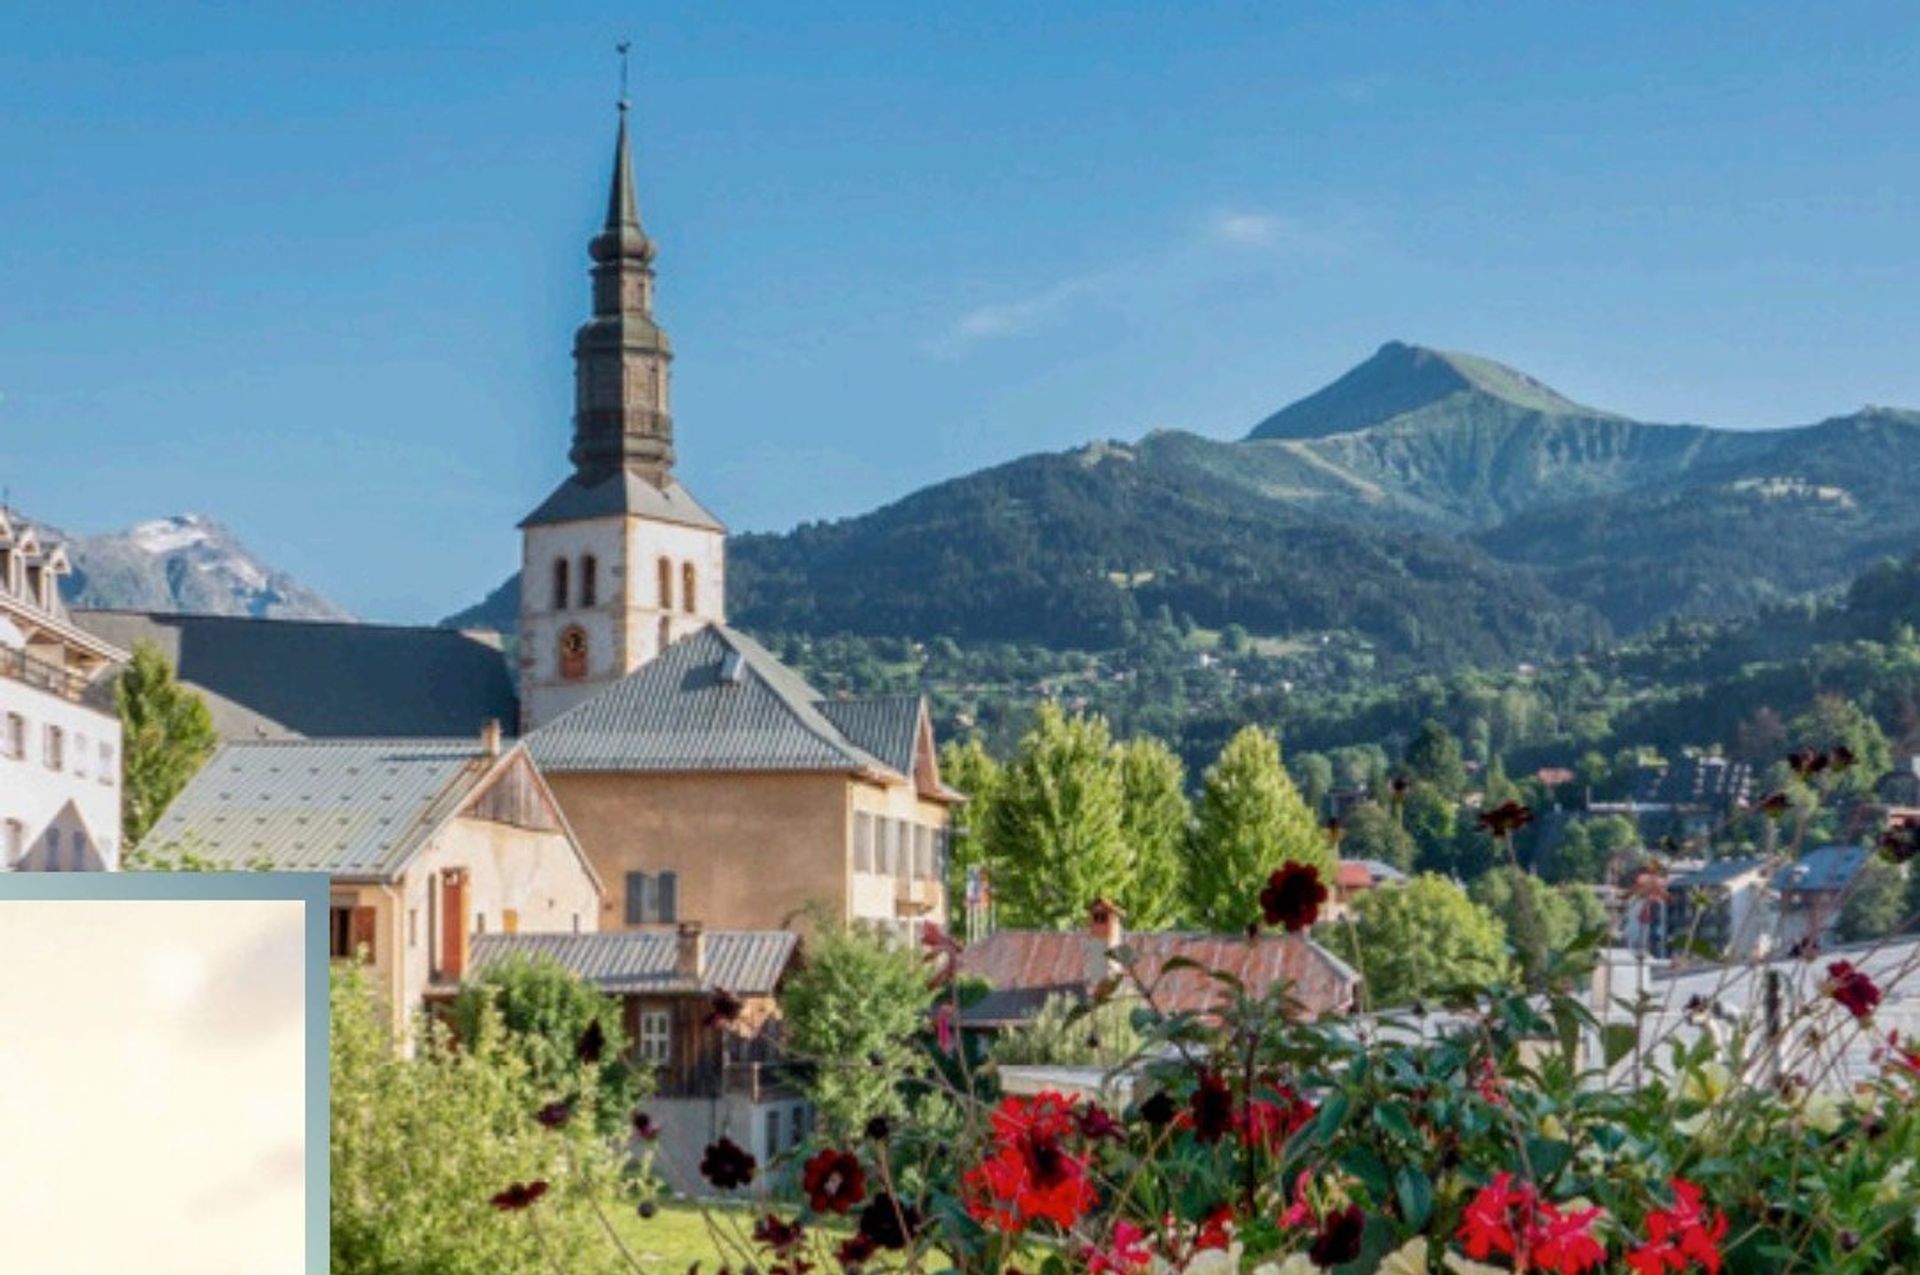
(1371, 831)
(1249, 820)
(1433, 822)
(1833, 721)
(854, 1011)
(1154, 818)
(970, 768)
(1876, 904)
(1434, 756)
(1056, 824)
(1313, 775)
(1421, 939)
(166, 736)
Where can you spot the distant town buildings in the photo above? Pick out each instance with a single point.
(59, 733)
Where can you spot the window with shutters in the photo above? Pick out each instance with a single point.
(349, 932)
(652, 898)
(656, 1036)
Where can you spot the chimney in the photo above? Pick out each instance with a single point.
(690, 952)
(490, 737)
(1103, 935)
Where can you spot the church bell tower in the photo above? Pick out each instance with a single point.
(620, 561)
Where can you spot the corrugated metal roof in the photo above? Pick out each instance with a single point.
(623, 493)
(888, 726)
(1018, 959)
(354, 808)
(1718, 872)
(744, 962)
(1824, 868)
(680, 712)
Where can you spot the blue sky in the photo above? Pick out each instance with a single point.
(313, 270)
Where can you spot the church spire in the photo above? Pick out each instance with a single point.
(620, 418)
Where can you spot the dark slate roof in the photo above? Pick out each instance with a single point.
(1053, 960)
(1695, 781)
(1718, 872)
(744, 962)
(888, 726)
(682, 712)
(1012, 1006)
(623, 493)
(1824, 868)
(278, 678)
(351, 808)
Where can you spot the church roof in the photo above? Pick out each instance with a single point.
(353, 808)
(287, 678)
(716, 700)
(624, 492)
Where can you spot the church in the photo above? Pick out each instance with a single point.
(705, 782)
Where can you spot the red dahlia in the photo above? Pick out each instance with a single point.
(833, 1181)
(1852, 988)
(1293, 896)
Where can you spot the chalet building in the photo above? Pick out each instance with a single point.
(711, 1079)
(1723, 908)
(1688, 797)
(1811, 891)
(430, 844)
(59, 731)
(705, 780)
(1355, 877)
(1027, 968)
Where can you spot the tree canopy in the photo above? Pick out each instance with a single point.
(1249, 820)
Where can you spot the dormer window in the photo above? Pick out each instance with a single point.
(559, 584)
(686, 587)
(589, 579)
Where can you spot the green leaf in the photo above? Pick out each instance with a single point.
(1392, 1116)
(1364, 1164)
(1617, 1040)
(1548, 1157)
(1415, 1192)
(1333, 1113)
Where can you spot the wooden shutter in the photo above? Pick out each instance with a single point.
(636, 898)
(360, 932)
(668, 900)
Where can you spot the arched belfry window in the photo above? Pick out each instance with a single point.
(559, 584)
(573, 653)
(589, 579)
(666, 585)
(687, 593)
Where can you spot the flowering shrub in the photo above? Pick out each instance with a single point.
(1507, 1129)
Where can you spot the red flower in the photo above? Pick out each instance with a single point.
(1486, 1079)
(727, 1165)
(554, 1115)
(1216, 1229)
(643, 1126)
(1293, 896)
(518, 1196)
(1852, 988)
(856, 1250)
(1775, 805)
(781, 1237)
(1681, 1236)
(1299, 1214)
(1267, 1123)
(1031, 1175)
(833, 1181)
(888, 1222)
(1516, 1222)
(1211, 1107)
(592, 1043)
(1506, 818)
(1900, 843)
(1096, 1122)
(1339, 1239)
(943, 1032)
(1899, 1057)
(1127, 1253)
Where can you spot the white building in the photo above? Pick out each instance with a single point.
(59, 734)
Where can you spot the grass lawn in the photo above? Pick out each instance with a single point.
(681, 1234)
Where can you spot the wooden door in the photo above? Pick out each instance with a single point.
(453, 923)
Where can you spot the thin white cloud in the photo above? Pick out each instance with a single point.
(1225, 241)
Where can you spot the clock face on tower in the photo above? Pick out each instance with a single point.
(573, 653)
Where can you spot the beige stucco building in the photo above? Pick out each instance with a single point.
(705, 780)
(429, 843)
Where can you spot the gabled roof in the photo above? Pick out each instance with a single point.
(357, 809)
(1824, 868)
(716, 700)
(271, 679)
(1718, 872)
(624, 492)
(1057, 961)
(888, 726)
(744, 962)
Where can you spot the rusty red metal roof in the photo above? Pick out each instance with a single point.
(1043, 959)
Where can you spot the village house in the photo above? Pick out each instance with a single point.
(710, 1078)
(1811, 891)
(1723, 908)
(59, 732)
(429, 844)
(1024, 969)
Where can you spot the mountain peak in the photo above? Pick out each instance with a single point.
(1400, 379)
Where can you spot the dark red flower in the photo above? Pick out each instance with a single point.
(1805, 761)
(1506, 818)
(518, 1196)
(1338, 1241)
(1096, 1122)
(727, 1165)
(856, 1250)
(1268, 1121)
(592, 1044)
(879, 1129)
(1902, 1058)
(1031, 1175)
(1900, 843)
(1840, 757)
(1158, 1110)
(889, 1222)
(1211, 1107)
(1293, 896)
(833, 1181)
(554, 1115)
(1775, 805)
(723, 1007)
(781, 1237)
(643, 1126)
(1399, 786)
(944, 1034)
(1852, 988)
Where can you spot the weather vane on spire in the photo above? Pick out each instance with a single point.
(623, 49)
